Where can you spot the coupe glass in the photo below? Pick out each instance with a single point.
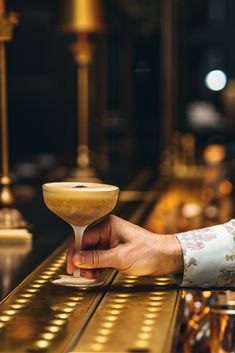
(79, 204)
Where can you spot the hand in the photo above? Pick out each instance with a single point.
(116, 243)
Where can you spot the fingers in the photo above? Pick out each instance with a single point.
(88, 273)
(69, 260)
(96, 259)
(98, 234)
(91, 274)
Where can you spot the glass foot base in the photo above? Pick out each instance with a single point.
(72, 281)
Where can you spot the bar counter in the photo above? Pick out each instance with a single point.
(125, 314)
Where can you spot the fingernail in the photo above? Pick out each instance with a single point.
(70, 270)
(78, 259)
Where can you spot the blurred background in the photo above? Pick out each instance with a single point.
(158, 67)
(161, 98)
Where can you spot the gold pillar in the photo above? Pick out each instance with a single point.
(82, 17)
(10, 218)
(6, 27)
(82, 52)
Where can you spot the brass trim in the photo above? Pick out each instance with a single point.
(137, 314)
(38, 315)
(41, 317)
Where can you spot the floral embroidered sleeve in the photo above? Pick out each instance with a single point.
(209, 256)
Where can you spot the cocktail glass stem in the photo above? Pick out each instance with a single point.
(78, 233)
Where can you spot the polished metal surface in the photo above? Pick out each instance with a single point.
(10, 218)
(39, 315)
(222, 325)
(138, 314)
(125, 314)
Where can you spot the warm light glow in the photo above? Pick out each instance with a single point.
(101, 339)
(213, 154)
(153, 309)
(47, 336)
(117, 306)
(215, 80)
(53, 328)
(104, 332)
(107, 324)
(190, 210)
(76, 299)
(156, 298)
(114, 312)
(140, 344)
(97, 347)
(158, 294)
(31, 290)
(153, 304)
(120, 300)
(40, 281)
(149, 322)
(146, 329)
(9, 312)
(144, 336)
(225, 187)
(111, 318)
(151, 315)
(27, 295)
(130, 280)
(81, 16)
(58, 322)
(36, 285)
(42, 344)
(49, 273)
(21, 300)
(4, 318)
(123, 295)
(62, 316)
(17, 306)
(128, 285)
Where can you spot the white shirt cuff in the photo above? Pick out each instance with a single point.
(209, 256)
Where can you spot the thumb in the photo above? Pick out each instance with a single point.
(95, 258)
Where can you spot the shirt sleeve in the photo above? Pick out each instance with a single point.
(209, 256)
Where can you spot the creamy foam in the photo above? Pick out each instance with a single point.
(80, 187)
(80, 206)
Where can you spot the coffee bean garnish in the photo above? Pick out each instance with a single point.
(79, 186)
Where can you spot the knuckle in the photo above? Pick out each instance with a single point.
(95, 259)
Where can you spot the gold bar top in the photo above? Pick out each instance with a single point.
(40, 316)
(129, 315)
(136, 315)
(125, 314)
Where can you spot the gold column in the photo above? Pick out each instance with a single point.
(82, 17)
(82, 52)
(6, 27)
(10, 218)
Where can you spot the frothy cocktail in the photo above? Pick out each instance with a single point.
(79, 204)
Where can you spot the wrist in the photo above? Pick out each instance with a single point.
(176, 254)
(173, 255)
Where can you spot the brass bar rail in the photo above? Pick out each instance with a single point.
(136, 315)
(40, 316)
(125, 314)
